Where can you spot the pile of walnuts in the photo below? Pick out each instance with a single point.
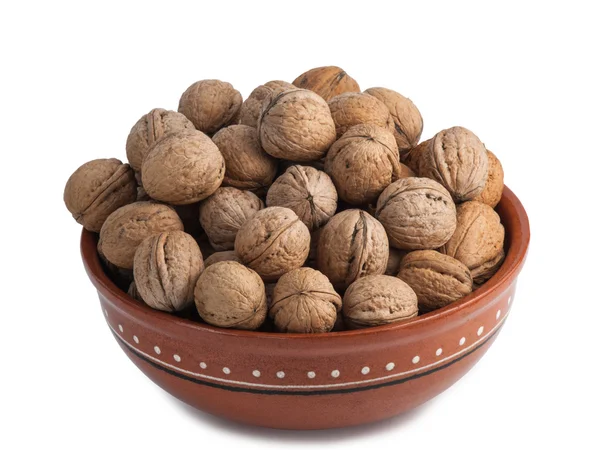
(306, 208)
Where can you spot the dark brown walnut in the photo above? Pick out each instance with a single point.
(414, 157)
(166, 267)
(227, 255)
(272, 242)
(250, 110)
(98, 188)
(437, 279)
(304, 301)
(417, 214)
(355, 108)
(494, 185)
(308, 192)
(129, 225)
(223, 213)
(352, 245)
(183, 168)
(210, 105)
(394, 260)
(327, 81)
(133, 292)
(377, 300)
(296, 125)
(230, 295)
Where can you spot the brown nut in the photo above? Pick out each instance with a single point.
(250, 110)
(98, 188)
(227, 255)
(230, 295)
(394, 260)
(355, 108)
(327, 81)
(304, 301)
(414, 157)
(311, 261)
(494, 185)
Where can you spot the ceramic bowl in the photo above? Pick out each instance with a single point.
(297, 381)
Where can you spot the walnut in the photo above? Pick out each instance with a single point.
(227, 255)
(183, 168)
(437, 279)
(121, 277)
(362, 163)
(98, 188)
(210, 105)
(296, 125)
(304, 301)
(272, 242)
(414, 157)
(494, 185)
(250, 110)
(327, 82)
(166, 267)
(129, 225)
(417, 214)
(308, 192)
(223, 213)
(311, 261)
(230, 295)
(352, 245)
(378, 300)
(394, 260)
(354, 108)
(133, 292)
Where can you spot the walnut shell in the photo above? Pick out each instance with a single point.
(98, 188)
(394, 260)
(304, 301)
(352, 245)
(417, 214)
(494, 185)
(437, 279)
(311, 261)
(414, 157)
(223, 213)
(250, 110)
(230, 295)
(183, 168)
(272, 242)
(377, 300)
(296, 125)
(327, 81)
(355, 108)
(227, 255)
(308, 192)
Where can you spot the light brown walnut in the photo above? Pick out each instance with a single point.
(252, 106)
(394, 260)
(414, 157)
(355, 108)
(327, 81)
(227, 255)
(494, 185)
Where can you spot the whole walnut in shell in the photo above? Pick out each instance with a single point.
(250, 110)
(378, 300)
(352, 245)
(166, 267)
(417, 214)
(231, 295)
(272, 242)
(296, 125)
(227, 255)
(308, 192)
(223, 213)
(494, 185)
(355, 108)
(413, 158)
(98, 188)
(327, 81)
(183, 168)
(304, 301)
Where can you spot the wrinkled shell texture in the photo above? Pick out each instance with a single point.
(362, 163)
(457, 159)
(394, 260)
(417, 214)
(224, 212)
(377, 300)
(98, 188)
(352, 245)
(129, 225)
(296, 125)
(272, 242)
(183, 168)
(166, 267)
(355, 108)
(230, 295)
(327, 81)
(227, 255)
(492, 192)
(414, 157)
(210, 105)
(247, 165)
(308, 192)
(304, 301)
(437, 279)
(152, 127)
(252, 106)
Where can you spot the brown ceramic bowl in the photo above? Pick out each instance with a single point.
(298, 381)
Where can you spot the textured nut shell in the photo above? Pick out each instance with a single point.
(129, 225)
(394, 260)
(417, 214)
(183, 168)
(230, 295)
(414, 157)
(227, 255)
(296, 125)
(98, 188)
(304, 301)
(437, 279)
(377, 300)
(166, 267)
(121, 277)
(250, 110)
(327, 81)
(224, 212)
(492, 192)
(486, 270)
(272, 242)
(352, 245)
(354, 108)
(308, 192)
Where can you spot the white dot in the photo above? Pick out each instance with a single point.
(480, 331)
(509, 299)
(390, 366)
(335, 373)
(256, 373)
(438, 352)
(416, 359)
(365, 370)
(311, 374)
(226, 370)
(157, 349)
(203, 365)
(106, 313)
(280, 374)
(135, 339)
(498, 314)
(177, 358)
(120, 328)
(462, 341)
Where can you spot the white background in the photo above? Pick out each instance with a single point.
(75, 77)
